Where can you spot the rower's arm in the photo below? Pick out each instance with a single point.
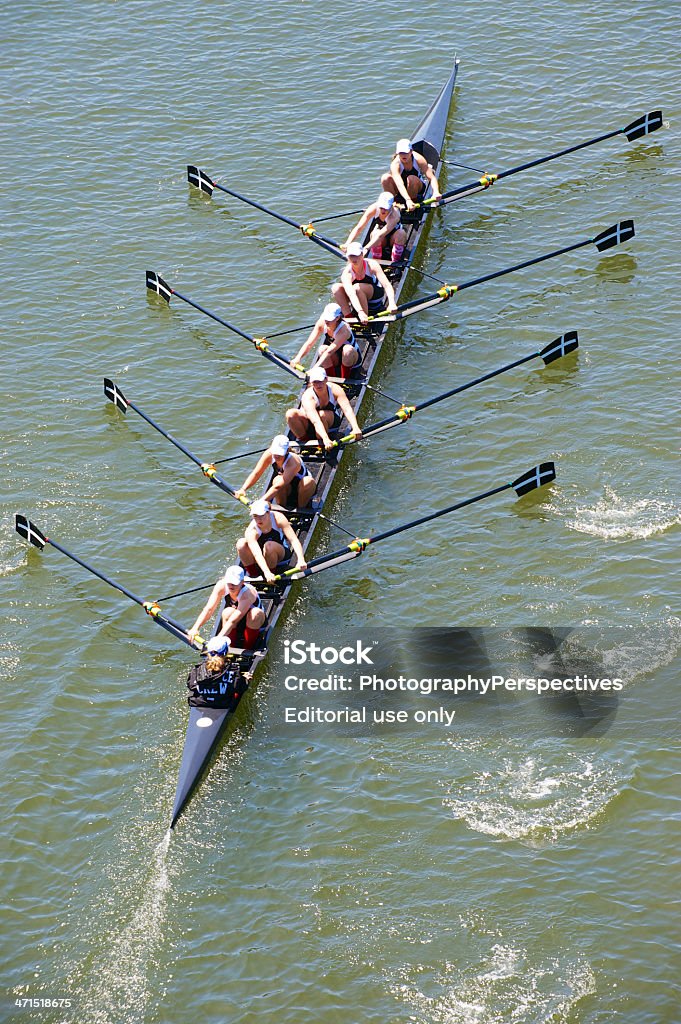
(310, 409)
(256, 473)
(359, 226)
(399, 184)
(387, 287)
(347, 410)
(429, 172)
(309, 342)
(351, 291)
(256, 550)
(209, 609)
(294, 542)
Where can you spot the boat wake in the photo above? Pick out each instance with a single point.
(123, 978)
(506, 985)
(615, 518)
(534, 798)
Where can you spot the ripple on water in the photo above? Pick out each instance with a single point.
(614, 517)
(537, 798)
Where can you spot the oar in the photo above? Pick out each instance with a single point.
(537, 477)
(156, 284)
(115, 395)
(615, 235)
(556, 349)
(644, 125)
(30, 532)
(199, 179)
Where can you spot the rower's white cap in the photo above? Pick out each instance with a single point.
(332, 312)
(260, 507)
(403, 146)
(354, 249)
(217, 645)
(317, 374)
(234, 575)
(385, 201)
(280, 445)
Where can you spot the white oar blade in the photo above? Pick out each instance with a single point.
(567, 342)
(26, 529)
(537, 477)
(115, 395)
(199, 179)
(155, 283)
(644, 125)
(615, 235)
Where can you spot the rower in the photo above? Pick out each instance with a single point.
(269, 543)
(243, 615)
(363, 288)
(339, 352)
(321, 409)
(292, 485)
(383, 222)
(409, 175)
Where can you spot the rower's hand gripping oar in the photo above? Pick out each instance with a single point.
(533, 478)
(116, 396)
(156, 284)
(644, 125)
(615, 235)
(556, 349)
(30, 532)
(199, 179)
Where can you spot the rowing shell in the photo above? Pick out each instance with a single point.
(207, 724)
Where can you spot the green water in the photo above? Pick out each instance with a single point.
(503, 874)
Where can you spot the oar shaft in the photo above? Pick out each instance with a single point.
(164, 433)
(437, 515)
(555, 156)
(524, 264)
(473, 383)
(165, 621)
(326, 243)
(214, 316)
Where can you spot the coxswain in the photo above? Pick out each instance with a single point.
(321, 409)
(292, 485)
(363, 288)
(383, 223)
(243, 615)
(409, 176)
(269, 543)
(339, 352)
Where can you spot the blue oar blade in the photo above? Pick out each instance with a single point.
(155, 283)
(560, 347)
(615, 235)
(199, 179)
(644, 125)
(115, 395)
(537, 477)
(29, 531)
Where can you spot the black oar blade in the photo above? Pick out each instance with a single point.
(567, 342)
(644, 125)
(115, 395)
(615, 235)
(537, 477)
(155, 283)
(26, 529)
(199, 179)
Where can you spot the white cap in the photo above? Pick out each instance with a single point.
(385, 201)
(354, 249)
(280, 445)
(260, 507)
(403, 146)
(234, 575)
(217, 645)
(332, 312)
(317, 373)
